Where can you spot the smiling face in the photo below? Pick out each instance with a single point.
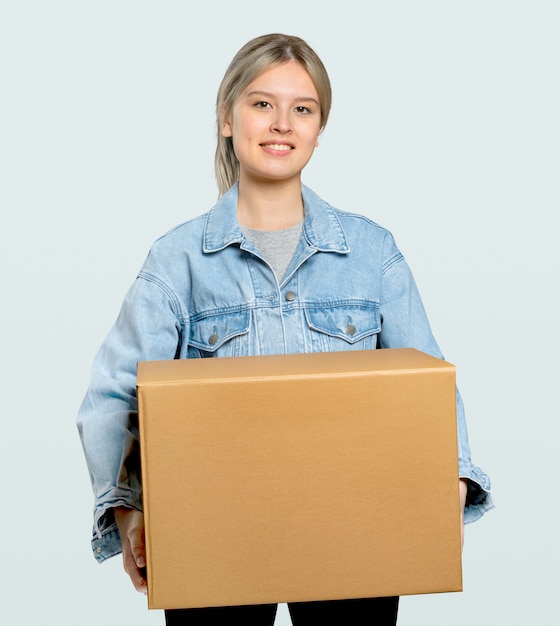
(275, 124)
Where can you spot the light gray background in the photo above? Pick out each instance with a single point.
(444, 129)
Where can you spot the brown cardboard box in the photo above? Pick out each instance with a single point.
(299, 477)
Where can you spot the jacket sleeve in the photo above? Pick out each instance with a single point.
(405, 325)
(148, 327)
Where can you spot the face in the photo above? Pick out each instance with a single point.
(275, 124)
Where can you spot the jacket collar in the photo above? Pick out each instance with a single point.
(321, 227)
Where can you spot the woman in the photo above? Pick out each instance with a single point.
(271, 268)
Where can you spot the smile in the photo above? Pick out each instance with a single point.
(277, 146)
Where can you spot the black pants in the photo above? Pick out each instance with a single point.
(370, 611)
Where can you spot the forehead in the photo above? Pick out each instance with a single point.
(287, 77)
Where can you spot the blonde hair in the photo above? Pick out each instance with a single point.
(255, 57)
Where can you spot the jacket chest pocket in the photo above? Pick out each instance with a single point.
(344, 327)
(219, 335)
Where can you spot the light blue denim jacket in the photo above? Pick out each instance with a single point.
(205, 291)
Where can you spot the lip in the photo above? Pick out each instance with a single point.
(277, 147)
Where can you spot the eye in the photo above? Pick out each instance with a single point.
(302, 109)
(262, 104)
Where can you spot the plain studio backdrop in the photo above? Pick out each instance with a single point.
(444, 129)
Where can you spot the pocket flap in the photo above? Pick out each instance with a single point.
(349, 322)
(211, 332)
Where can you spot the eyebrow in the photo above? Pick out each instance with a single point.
(267, 94)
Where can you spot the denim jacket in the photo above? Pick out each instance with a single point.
(205, 291)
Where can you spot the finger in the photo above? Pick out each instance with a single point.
(139, 582)
(136, 574)
(138, 549)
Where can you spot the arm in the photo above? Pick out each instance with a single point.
(148, 327)
(405, 325)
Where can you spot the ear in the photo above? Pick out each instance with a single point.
(226, 130)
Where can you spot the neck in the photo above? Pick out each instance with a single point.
(269, 206)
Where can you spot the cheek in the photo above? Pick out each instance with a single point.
(242, 142)
(243, 134)
(242, 145)
(312, 141)
(310, 135)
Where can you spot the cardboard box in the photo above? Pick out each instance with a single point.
(299, 477)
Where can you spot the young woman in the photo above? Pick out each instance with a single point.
(271, 268)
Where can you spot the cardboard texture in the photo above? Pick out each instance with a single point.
(299, 477)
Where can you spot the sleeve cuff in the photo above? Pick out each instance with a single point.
(106, 545)
(479, 499)
(106, 541)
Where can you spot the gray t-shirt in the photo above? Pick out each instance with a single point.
(277, 246)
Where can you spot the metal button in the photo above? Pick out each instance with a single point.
(351, 329)
(213, 339)
(290, 295)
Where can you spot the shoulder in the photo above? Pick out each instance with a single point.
(353, 223)
(358, 220)
(172, 251)
(183, 233)
(345, 216)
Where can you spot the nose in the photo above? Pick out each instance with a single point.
(281, 122)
